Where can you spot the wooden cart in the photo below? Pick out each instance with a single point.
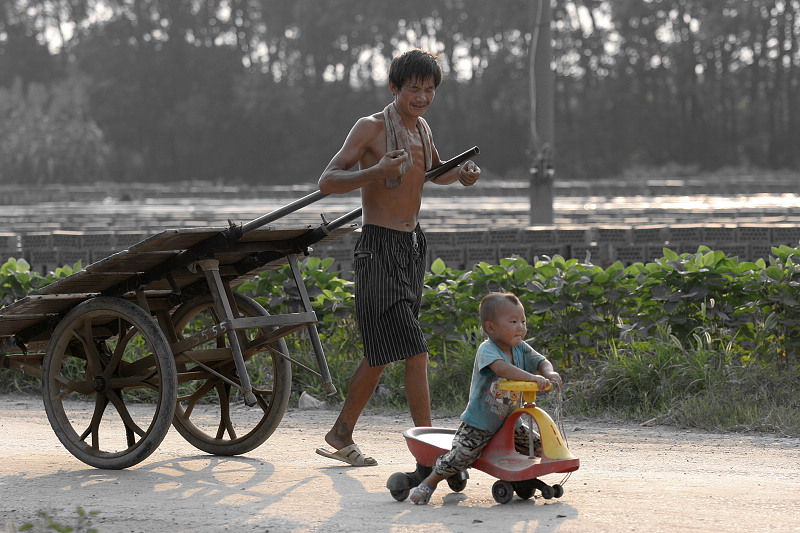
(155, 335)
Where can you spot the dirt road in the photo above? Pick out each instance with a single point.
(632, 478)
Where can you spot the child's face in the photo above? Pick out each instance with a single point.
(508, 327)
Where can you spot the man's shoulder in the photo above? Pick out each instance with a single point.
(369, 131)
(373, 122)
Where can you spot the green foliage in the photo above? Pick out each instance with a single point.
(642, 341)
(578, 310)
(333, 303)
(46, 522)
(195, 96)
(46, 135)
(637, 339)
(17, 280)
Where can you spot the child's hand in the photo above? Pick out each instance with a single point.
(554, 377)
(541, 381)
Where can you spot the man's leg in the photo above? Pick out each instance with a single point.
(362, 385)
(417, 392)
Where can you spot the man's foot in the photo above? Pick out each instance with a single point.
(349, 454)
(422, 494)
(338, 440)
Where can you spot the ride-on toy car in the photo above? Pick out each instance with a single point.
(515, 472)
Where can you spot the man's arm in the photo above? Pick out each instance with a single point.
(467, 174)
(337, 178)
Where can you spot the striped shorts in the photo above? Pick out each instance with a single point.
(389, 268)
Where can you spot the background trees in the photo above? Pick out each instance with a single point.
(266, 90)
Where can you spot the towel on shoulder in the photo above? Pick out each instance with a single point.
(397, 139)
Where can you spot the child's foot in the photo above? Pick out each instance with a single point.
(421, 495)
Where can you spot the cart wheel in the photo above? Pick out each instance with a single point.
(526, 493)
(457, 484)
(400, 495)
(109, 383)
(558, 491)
(210, 413)
(547, 492)
(502, 491)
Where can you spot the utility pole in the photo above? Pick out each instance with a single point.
(542, 95)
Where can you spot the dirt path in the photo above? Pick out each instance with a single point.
(632, 478)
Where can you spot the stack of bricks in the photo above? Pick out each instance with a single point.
(459, 249)
(9, 246)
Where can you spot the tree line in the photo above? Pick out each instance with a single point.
(260, 91)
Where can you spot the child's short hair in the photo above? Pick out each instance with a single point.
(492, 301)
(412, 64)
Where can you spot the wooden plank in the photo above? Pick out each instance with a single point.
(148, 254)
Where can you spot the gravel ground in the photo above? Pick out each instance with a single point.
(632, 478)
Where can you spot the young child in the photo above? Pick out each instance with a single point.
(504, 355)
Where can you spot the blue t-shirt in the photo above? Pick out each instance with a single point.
(489, 406)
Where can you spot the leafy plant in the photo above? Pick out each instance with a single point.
(46, 522)
(640, 340)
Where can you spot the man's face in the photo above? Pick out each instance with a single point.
(415, 96)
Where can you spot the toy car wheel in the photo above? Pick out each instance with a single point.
(400, 495)
(526, 493)
(547, 492)
(558, 491)
(502, 491)
(399, 481)
(457, 484)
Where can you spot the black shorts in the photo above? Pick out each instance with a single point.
(389, 270)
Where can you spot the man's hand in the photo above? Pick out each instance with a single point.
(391, 162)
(469, 173)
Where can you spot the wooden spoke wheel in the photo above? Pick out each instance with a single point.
(109, 383)
(211, 414)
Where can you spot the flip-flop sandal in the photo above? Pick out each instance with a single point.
(350, 455)
(423, 493)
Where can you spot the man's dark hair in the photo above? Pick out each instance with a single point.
(415, 64)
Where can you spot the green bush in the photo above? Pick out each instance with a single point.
(661, 339)
(46, 522)
(17, 280)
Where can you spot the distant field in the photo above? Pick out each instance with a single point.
(611, 220)
(733, 183)
(152, 208)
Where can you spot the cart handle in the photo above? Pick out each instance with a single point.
(323, 230)
(233, 233)
(318, 195)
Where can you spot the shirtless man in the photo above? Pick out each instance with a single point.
(389, 257)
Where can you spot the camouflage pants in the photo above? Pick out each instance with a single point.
(469, 442)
